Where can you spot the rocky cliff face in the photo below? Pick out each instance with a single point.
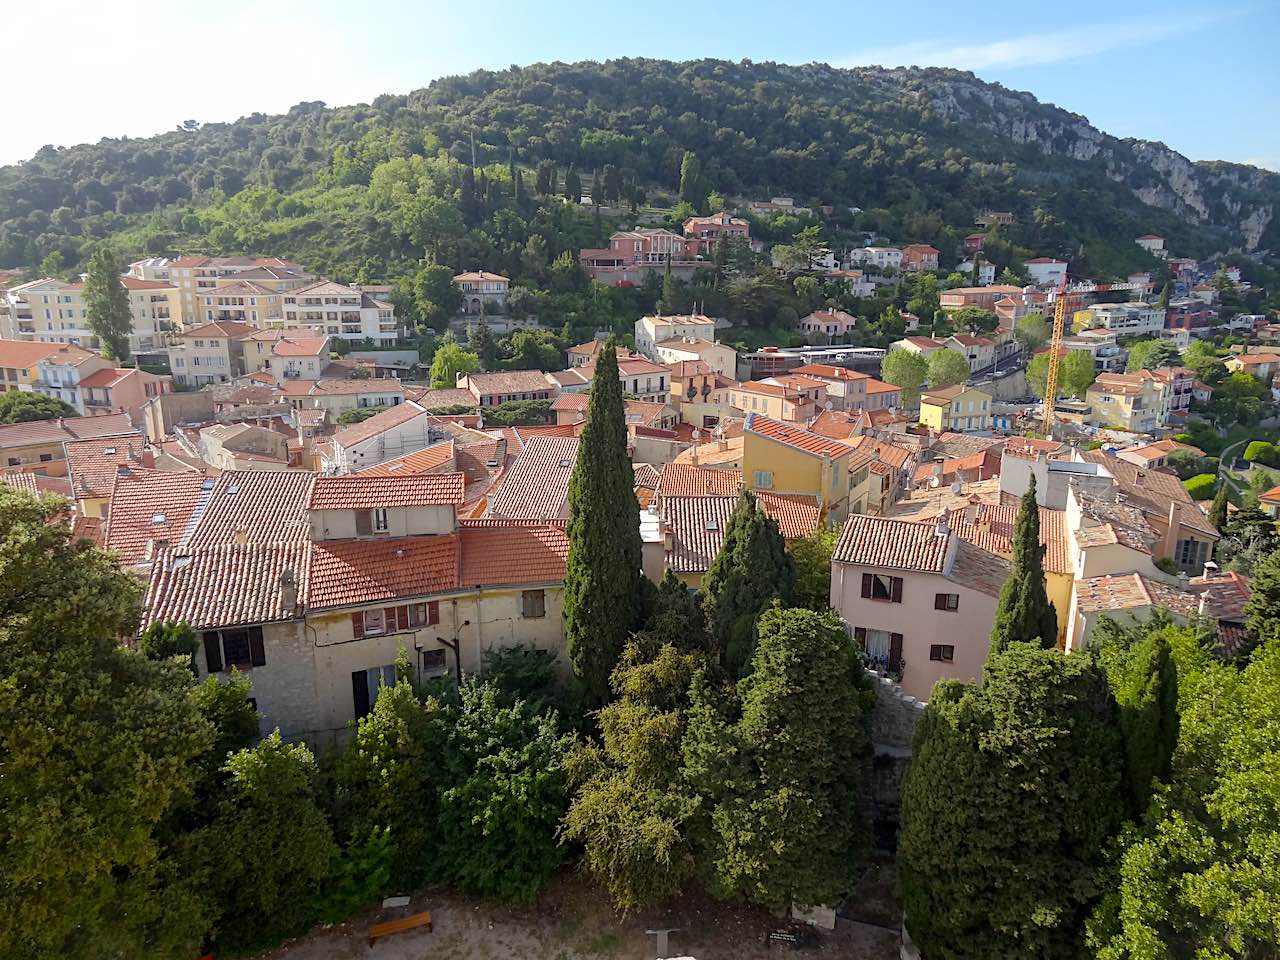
(1241, 199)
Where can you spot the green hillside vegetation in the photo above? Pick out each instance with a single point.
(476, 171)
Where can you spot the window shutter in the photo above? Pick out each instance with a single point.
(213, 652)
(895, 651)
(389, 617)
(939, 601)
(257, 655)
(357, 625)
(364, 523)
(866, 585)
(433, 612)
(360, 692)
(895, 589)
(860, 634)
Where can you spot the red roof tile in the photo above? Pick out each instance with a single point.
(366, 492)
(536, 484)
(70, 428)
(258, 506)
(92, 465)
(687, 480)
(437, 458)
(151, 505)
(795, 437)
(885, 542)
(349, 572)
(379, 423)
(512, 553)
(224, 585)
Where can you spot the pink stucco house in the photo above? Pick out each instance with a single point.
(918, 598)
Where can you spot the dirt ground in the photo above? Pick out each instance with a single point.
(572, 921)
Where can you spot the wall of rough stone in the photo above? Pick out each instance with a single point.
(892, 730)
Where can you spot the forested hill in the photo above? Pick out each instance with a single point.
(918, 149)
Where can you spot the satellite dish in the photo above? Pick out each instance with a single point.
(829, 405)
(957, 487)
(934, 483)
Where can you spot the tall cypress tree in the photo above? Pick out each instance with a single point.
(751, 570)
(1024, 613)
(107, 303)
(602, 579)
(1218, 511)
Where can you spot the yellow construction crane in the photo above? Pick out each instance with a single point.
(1065, 296)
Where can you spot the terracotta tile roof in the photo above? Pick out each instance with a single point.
(986, 462)
(444, 397)
(88, 528)
(36, 483)
(36, 432)
(1132, 591)
(978, 569)
(838, 424)
(230, 329)
(1272, 495)
(1162, 448)
(224, 585)
(1104, 534)
(884, 542)
(524, 434)
(135, 283)
(348, 572)
(475, 276)
(926, 343)
(697, 524)
(512, 553)
(437, 458)
(969, 340)
(874, 386)
(23, 354)
(106, 377)
(92, 464)
(992, 529)
(710, 453)
(826, 371)
(151, 505)
(536, 484)
(687, 480)
(300, 347)
(378, 424)
(890, 453)
(513, 381)
(795, 437)
(354, 386)
(258, 506)
(943, 394)
(365, 492)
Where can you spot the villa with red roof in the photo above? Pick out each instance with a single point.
(780, 457)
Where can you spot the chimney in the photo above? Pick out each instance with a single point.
(288, 591)
(971, 510)
(1210, 569)
(942, 528)
(1175, 525)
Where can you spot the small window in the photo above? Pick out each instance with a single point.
(380, 523)
(946, 601)
(876, 586)
(533, 604)
(46, 457)
(375, 622)
(942, 652)
(434, 661)
(762, 479)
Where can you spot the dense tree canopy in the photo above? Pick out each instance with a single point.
(23, 407)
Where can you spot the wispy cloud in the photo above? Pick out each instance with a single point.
(1032, 49)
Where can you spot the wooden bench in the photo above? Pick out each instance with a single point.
(399, 926)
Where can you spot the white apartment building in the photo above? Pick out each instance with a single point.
(878, 256)
(340, 312)
(1046, 271)
(650, 331)
(1133, 319)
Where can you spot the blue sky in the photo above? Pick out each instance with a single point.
(1203, 79)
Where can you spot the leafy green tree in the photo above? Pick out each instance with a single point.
(534, 350)
(107, 304)
(947, 367)
(24, 407)
(225, 704)
(1013, 794)
(523, 672)
(612, 184)
(750, 572)
(1165, 293)
(1024, 612)
(1218, 511)
(1264, 452)
(1237, 399)
(780, 776)
(431, 223)
(631, 809)
(97, 745)
(1203, 360)
(602, 575)
(387, 779)
(449, 362)
(1032, 332)
(1187, 463)
(1152, 355)
(1200, 878)
(924, 300)
(977, 321)
(163, 640)
(1250, 538)
(908, 370)
(483, 345)
(360, 876)
(436, 297)
(694, 188)
(572, 185)
(812, 559)
(358, 415)
(1076, 372)
(269, 844)
(503, 794)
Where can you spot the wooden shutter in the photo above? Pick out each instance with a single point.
(257, 655)
(389, 620)
(357, 625)
(866, 585)
(860, 634)
(939, 601)
(895, 589)
(895, 651)
(364, 523)
(360, 692)
(213, 652)
(433, 611)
